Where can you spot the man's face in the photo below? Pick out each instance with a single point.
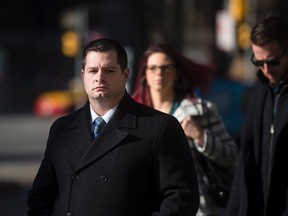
(103, 78)
(269, 53)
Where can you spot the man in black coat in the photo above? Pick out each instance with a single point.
(139, 163)
(261, 182)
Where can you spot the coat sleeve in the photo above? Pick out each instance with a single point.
(45, 187)
(238, 201)
(219, 147)
(177, 177)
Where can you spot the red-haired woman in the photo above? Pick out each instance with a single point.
(167, 81)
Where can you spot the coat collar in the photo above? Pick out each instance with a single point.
(79, 132)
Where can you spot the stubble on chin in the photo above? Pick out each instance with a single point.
(98, 96)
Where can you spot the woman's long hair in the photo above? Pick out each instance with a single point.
(191, 75)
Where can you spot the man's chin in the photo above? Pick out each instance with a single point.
(271, 79)
(101, 95)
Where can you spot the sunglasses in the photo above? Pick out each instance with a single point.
(269, 62)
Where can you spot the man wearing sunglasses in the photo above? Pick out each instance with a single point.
(261, 181)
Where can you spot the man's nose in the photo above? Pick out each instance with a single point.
(100, 76)
(265, 68)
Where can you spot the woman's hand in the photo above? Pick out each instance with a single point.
(192, 129)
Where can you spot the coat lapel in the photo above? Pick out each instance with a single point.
(258, 121)
(79, 134)
(111, 135)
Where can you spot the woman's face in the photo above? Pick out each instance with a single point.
(161, 73)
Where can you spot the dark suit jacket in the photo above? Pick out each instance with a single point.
(140, 164)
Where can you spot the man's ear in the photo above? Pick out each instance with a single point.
(82, 73)
(126, 73)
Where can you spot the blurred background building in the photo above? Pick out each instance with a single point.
(40, 48)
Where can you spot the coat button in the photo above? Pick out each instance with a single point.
(70, 214)
(103, 178)
(74, 177)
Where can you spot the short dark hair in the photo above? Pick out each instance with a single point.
(268, 29)
(104, 45)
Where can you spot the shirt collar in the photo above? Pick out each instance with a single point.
(107, 116)
(276, 88)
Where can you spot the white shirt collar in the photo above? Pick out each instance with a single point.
(108, 115)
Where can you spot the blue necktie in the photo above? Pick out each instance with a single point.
(98, 125)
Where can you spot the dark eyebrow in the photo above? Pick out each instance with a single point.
(104, 67)
(109, 67)
(92, 68)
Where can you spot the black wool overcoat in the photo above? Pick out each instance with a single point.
(140, 164)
